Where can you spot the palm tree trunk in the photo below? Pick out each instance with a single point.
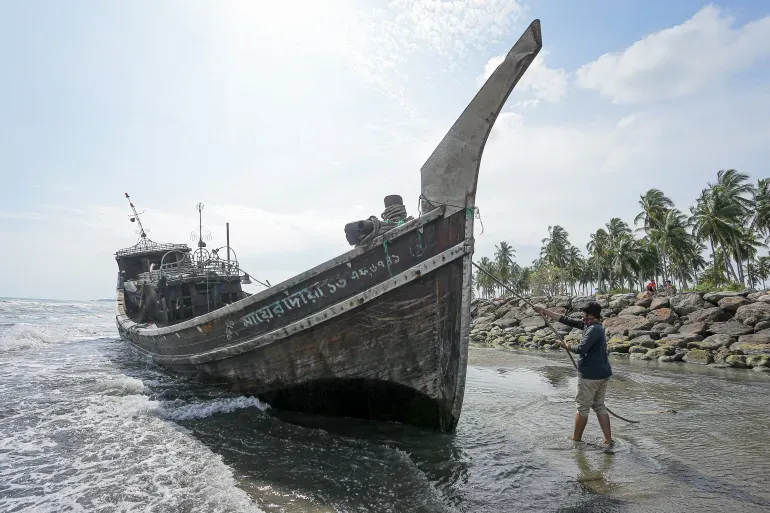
(729, 264)
(739, 261)
(714, 257)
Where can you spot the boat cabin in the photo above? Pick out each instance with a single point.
(168, 283)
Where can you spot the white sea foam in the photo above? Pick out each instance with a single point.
(209, 408)
(106, 452)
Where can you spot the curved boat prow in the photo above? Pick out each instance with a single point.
(450, 175)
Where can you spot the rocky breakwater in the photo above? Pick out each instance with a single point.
(723, 329)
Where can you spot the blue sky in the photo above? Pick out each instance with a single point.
(290, 119)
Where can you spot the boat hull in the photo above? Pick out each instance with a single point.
(389, 344)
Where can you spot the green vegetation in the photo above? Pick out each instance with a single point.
(729, 223)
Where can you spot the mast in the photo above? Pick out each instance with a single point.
(450, 175)
(136, 218)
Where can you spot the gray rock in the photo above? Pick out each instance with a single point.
(757, 312)
(758, 360)
(643, 333)
(660, 327)
(644, 302)
(640, 356)
(763, 325)
(731, 304)
(694, 328)
(715, 297)
(637, 349)
(671, 330)
(660, 302)
(660, 351)
(659, 315)
(700, 356)
(708, 315)
(625, 323)
(756, 343)
(672, 342)
(643, 341)
(736, 360)
(765, 298)
(581, 301)
(633, 310)
(712, 343)
(731, 327)
(684, 304)
(483, 321)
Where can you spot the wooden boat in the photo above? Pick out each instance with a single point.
(380, 332)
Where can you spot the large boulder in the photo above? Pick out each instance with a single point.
(484, 321)
(633, 310)
(643, 341)
(684, 304)
(694, 328)
(622, 324)
(758, 360)
(621, 301)
(715, 297)
(757, 312)
(700, 356)
(708, 315)
(764, 298)
(644, 302)
(731, 327)
(660, 351)
(712, 343)
(581, 301)
(756, 343)
(673, 342)
(731, 304)
(533, 323)
(643, 333)
(659, 315)
(660, 302)
(561, 302)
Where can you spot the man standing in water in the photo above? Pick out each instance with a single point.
(593, 368)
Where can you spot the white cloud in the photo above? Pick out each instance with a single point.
(542, 82)
(382, 42)
(679, 60)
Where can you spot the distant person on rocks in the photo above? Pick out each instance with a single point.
(652, 287)
(670, 289)
(593, 367)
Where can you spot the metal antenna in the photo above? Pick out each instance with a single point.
(135, 218)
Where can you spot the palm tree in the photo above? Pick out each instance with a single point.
(598, 247)
(555, 246)
(732, 189)
(503, 263)
(761, 220)
(713, 220)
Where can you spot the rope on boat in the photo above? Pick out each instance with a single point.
(550, 325)
(470, 212)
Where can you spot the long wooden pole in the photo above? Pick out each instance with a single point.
(550, 325)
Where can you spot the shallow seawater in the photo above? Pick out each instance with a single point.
(85, 427)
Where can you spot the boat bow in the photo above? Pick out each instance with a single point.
(450, 175)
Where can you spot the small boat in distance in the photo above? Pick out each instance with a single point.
(380, 332)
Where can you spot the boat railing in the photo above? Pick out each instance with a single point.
(198, 264)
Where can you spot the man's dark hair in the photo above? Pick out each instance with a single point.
(593, 308)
